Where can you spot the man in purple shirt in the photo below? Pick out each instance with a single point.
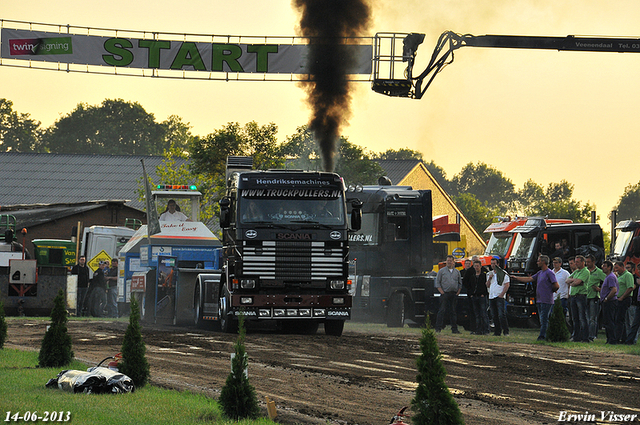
(609, 300)
(546, 285)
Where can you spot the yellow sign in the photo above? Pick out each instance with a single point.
(94, 263)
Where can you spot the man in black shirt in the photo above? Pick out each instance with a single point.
(99, 291)
(112, 293)
(82, 271)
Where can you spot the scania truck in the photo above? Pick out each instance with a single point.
(285, 250)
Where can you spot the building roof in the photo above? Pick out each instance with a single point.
(38, 178)
(35, 215)
(398, 169)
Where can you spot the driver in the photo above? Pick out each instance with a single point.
(252, 212)
(172, 213)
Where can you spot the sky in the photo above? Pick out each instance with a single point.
(532, 114)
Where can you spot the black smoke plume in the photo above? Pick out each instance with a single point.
(327, 23)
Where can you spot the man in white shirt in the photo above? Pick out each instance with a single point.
(172, 213)
(498, 284)
(561, 276)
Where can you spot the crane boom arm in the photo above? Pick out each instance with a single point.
(585, 44)
(415, 86)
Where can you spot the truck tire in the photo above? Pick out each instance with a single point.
(396, 312)
(227, 323)
(198, 307)
(334, 327)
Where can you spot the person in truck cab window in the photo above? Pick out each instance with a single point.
(321, 209)
(252, 212)
(558, 251)
(172, 213)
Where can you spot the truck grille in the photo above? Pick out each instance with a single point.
(294, 261)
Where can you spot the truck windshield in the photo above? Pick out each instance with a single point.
(623, 239)
(281, 211)
(523, 246)
(498, 244)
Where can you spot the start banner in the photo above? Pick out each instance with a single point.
(154, 53)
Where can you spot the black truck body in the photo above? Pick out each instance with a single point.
(285, 250)
(392, 256)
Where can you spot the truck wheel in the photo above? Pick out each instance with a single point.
(198, 307)
(396, 313)
(227, 323)
(333, 327)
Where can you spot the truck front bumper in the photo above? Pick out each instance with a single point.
(293, 306)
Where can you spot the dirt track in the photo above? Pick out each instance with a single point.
(364, 378)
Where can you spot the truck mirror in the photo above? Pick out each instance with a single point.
(356, 219)
(225, 212)
(356, 215)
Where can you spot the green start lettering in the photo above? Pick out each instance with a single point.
(154, 47)
(188, 55)
(262, 51)
(119, 56)
(228, 53)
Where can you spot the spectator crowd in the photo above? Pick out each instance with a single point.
(590, 296)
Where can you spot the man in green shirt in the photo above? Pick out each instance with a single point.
(593, 284)
(626, 284)
(578, 293)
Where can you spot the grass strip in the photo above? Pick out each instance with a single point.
(22, 386)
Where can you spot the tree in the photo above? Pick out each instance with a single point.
(558, 331)
(169, 172)
(554, 201)
(18, 132)
(177, 133)
(433, 404)
(55, 350)
(353, 163)
(134, 363)
(487, 183)
(479, 215)
(3, 326)
(400, 154)
(629, 204)
(209, 154)
(238, 397)
(115, 127)
(440, 175)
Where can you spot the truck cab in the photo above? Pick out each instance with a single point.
(538, 237)
(285, 242)
(627, 242)
(392, 255)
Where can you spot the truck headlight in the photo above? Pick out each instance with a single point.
(246, 300)
(247, 283)
(337, 284)
(338, 300)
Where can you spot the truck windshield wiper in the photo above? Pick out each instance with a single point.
(267, 223)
